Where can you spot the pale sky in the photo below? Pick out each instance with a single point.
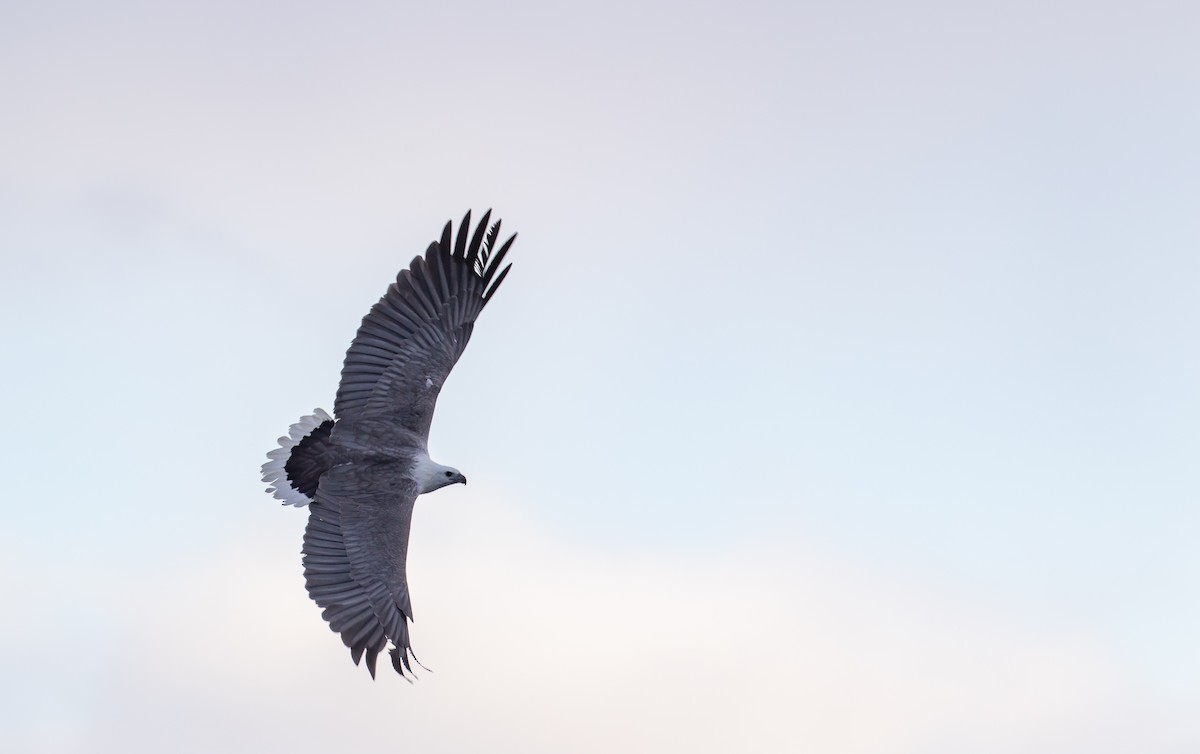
(843, 396)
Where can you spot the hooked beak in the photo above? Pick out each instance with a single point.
(462, 479)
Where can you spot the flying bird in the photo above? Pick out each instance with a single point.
(360, 471)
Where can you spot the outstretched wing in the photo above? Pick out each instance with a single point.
(411, 339)
(355, 547)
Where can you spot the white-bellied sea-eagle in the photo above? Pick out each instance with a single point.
(360, 471)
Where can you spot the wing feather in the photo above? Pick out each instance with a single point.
(477, 239)
(496, 285)
(497, 259)
(355, 552)
(421, 286)
(460, 244)
(411, 339)
(445, 242)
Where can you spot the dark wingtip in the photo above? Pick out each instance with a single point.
(497, 259)
(414, 659)
(477, 238)
(460, 243)
(496, 285)
(492, 234)
(445, 242)
(397, 658)
(489, 245)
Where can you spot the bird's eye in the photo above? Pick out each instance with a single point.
(449, 474)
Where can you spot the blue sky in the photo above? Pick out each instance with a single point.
(843, 394)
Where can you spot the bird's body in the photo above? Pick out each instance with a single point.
(361, 472)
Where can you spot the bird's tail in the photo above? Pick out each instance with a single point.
(295, 467)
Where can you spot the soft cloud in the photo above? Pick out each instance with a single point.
(538, 647)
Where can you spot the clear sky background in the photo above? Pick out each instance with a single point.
(843, 396)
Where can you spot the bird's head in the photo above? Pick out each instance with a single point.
(432, 476)
(451, 476)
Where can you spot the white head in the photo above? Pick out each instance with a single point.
(431, 475)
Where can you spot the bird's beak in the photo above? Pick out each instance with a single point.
(462, 478)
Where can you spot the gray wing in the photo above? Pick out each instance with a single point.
(355, 548)
(411, 339)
